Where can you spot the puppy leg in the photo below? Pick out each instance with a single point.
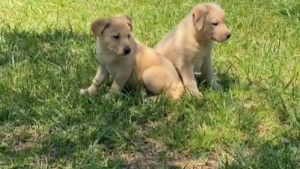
(121, 79)
(158, 79)
(101, 75)
(209, 74)
(188, 78)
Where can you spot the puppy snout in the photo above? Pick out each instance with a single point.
(126, 50)
(228, 34)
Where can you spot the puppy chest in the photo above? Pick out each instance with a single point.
(200, 56)
(112, 70)
(198, 63)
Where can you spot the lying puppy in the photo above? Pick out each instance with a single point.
(189, 45)
(130, 62)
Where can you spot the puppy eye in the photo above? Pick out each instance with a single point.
(116, 36)
(215, 23)
(128, 36)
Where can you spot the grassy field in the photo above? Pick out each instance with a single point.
(46, 56)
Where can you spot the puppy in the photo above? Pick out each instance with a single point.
(189, 45)
(129, 62)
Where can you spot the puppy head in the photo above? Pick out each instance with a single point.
(115, 33)
(209, 19)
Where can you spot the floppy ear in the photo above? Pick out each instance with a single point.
(99, 25)
(128, 19)
(199, 14)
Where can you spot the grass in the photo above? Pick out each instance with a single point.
(46, 56)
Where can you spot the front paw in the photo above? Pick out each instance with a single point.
(83, 91)
(91, 90)
(196, 94)
(111, 96)
(199, 95)
(107, 96)
(217, 87)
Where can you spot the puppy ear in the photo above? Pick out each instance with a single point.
(99, 25)
(199, 14)
(128, 19)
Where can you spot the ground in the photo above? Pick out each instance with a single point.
(46, 56)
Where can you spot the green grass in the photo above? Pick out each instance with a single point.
(46, 56)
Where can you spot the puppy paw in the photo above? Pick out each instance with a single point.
(91, 90)
(217, 87)
(199, 95)
(111, 96)
(153, 98)
(195, 93)
(83, 91)
(107, 96)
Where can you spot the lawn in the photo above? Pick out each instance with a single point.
(46, 56)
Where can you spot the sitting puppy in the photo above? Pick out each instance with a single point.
(189, 45)
(130, 62)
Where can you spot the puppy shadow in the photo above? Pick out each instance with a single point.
(53, 46)
(222, 78)
(289, 11)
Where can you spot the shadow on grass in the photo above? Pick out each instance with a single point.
(43, 60)
(30, 45)
(224, 79)
(56, 150)
(283, 151)
(290, 10)
(46, 95)
(92, 132)
(267, 155)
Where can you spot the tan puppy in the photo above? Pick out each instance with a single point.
(130, 62)
(189, 45)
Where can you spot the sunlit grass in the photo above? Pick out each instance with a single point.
(46, 56)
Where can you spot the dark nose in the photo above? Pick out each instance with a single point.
(126, 50)
(228, 34)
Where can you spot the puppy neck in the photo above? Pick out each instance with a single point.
(202, 39)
